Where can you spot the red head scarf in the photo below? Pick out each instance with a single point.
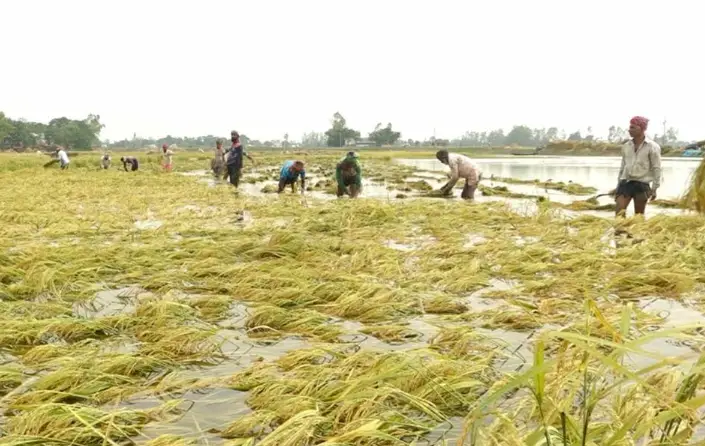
(640, 121)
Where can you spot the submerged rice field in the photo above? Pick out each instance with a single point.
(168, 309)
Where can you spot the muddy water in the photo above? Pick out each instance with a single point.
(208, 413)
(599, 172)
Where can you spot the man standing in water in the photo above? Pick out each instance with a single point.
(460, 167)
(291, 170)
(640, 172)
(348, 175)
(234, 160)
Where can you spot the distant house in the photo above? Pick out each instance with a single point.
(361, 142)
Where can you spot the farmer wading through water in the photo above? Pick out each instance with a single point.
(640, 173)
(234, 159)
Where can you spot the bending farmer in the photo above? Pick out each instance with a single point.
(348, 175)
(105, 161)
(291, 170)
(460, 167)
(63, 157)
(234, 159)
(132, 161)
(640, 173)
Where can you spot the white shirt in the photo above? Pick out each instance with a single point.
(643, 164)
(63, 157)
(463, 167)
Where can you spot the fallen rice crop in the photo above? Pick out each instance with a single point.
(543, 330)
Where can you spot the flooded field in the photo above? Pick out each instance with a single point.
(599, 172)
(170, 309)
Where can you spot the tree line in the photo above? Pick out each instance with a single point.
(85, 134)
(74, 134)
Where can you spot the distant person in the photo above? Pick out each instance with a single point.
(105, 161)
(460, 167)
(63, 158)
(640, 172)
(132, 161)
(290, 172)
(348, 175)
(233, 161)
(218, 161)
(168, 157)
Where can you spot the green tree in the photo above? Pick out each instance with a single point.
(496, 137)
(74, 134)
(339, 132)
(6, 128)
(520, 135)
(384, 135)
(575, 136)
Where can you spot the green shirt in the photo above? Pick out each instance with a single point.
(345, 164)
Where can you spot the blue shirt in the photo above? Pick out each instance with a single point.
(288, 174)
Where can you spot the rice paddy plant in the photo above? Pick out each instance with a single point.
(196, 251)
(590, 392)
(399, 394)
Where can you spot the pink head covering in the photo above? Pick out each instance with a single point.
(640, 121)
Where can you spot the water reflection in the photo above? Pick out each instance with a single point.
(599, 172)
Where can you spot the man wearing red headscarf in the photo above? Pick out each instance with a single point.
(640, 172)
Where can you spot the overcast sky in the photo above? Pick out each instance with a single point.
(268, 67)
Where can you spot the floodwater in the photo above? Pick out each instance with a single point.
(599, 172)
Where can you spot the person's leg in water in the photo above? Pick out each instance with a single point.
(353, 187)
(468, 191)
(341, 191)
(234, 174)
(622, 199)
(641, 198)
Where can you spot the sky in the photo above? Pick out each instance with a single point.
(270, 67)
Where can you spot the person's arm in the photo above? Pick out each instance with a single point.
(453, 178)
(303, 181)
(124, 165)
(339, 175)
(248, 156)
(655, 158)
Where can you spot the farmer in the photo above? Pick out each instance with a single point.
(234, 159)
(168, 157)
(63, 157)
(348, 175)
(640, 172)
(290, 171)
(132, 161)
(460, 167)
(218, 161)
(105, 161)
